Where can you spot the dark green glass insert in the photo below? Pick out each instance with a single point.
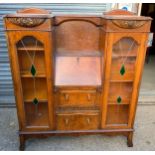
(35, 101)
(33, 70)
(122, 70)
(119, 99)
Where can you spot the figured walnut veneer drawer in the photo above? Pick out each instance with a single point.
(78, 98)
(77, 121)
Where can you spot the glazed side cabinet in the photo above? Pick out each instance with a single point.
(76, 74)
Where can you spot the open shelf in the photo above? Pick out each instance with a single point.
(78, 71)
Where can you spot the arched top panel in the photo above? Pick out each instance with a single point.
(77, 19)
(125, 45)
(72, 36)
(29, 41)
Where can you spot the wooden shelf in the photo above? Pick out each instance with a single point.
(31, 48)
(116, 56)
(125, 102)
(27, 74)
(40, 100)
(74, 71)
(116, 125)
(79, 53)
(122, 81)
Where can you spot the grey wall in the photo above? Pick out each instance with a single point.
(6, 87)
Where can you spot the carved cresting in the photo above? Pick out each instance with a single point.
(128, 24)
(27, 21)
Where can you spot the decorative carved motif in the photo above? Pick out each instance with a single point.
(128, 24)
(26, 21)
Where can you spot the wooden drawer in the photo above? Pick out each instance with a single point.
(78, 98)
(77, 121)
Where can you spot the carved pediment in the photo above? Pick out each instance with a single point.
(128, 24)
(27, 21)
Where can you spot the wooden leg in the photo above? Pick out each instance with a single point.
(129, 139)
(22, 142)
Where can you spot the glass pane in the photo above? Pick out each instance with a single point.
(120, 92)
(34, 88)
(123, 59)
(117, 114)
(36, 115)
(31, 56)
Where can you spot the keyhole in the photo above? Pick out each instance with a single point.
(78, 59)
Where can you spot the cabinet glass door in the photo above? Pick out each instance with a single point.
(30, 52)
(124, 54)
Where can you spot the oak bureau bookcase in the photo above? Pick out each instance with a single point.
(76, 74)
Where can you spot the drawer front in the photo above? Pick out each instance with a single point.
(78, 121)
(78, 98)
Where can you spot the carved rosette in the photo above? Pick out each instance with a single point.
(27, 21)
(128, 24)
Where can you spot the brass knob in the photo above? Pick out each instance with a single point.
(89, 97)
(88, 120)
(66, 121)
(66, 97)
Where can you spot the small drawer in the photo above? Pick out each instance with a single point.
(78, 98)
(78, 121)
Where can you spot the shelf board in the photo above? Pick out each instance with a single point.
(122, 103)
(27, 74)
(31, 48)
(116, 125)
(120, 81)
(40, 100)
(85, 71)
(115, 56)
(79, 53)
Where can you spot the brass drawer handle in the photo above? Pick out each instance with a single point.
(89, 97)
(66, 121)
(88, 120)
(66, 97)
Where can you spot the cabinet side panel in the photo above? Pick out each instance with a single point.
(11, 41)
(108, 52)
(49, 61)
(138, 76)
